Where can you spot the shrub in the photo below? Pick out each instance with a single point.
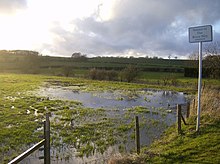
(129, 73)
(97, 74)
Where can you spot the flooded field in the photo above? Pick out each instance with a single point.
(102, 122)
(117, 99)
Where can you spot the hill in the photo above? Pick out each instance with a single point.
(31, 62)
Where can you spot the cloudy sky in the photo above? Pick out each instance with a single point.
(105, 27)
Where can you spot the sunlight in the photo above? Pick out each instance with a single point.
(30, 28)
(21, 31)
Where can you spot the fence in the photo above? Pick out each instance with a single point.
(181, 118)
(179, 128)
(45, 142)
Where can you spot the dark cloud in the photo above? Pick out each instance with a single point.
(10, 6)
(145, 26)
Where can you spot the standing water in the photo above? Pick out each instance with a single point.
(104, 124)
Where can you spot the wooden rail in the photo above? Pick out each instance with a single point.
(27, 152)
(45, 142)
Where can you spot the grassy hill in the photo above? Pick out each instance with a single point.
(32, 63)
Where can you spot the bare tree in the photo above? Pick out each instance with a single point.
(212, 59)
(194, 55)
(212, 49)
(169, 56)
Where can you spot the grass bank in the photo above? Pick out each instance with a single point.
(191, 146)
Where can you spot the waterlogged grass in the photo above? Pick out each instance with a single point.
(95, 85)
(72, 125)
(17, 128)
(21, 113)
(90, 130)
(190, 146)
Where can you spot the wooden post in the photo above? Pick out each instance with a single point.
(137, 134)
(179, 118)
(194, 104)
(188, 110)
(47, 139)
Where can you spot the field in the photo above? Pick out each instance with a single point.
(19, 63)
(149, 70)
(22, 110)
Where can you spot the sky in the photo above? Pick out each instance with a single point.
(123, 28)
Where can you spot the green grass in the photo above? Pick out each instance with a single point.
(18, 129)
(190, 146)
(159, 75)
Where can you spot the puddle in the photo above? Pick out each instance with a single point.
(156, 110)
(117, 99)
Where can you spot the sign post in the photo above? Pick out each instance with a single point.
(200, 34)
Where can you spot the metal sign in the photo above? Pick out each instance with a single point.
(200, 34)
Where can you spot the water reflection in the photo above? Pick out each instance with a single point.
(121, 106)
(117, 99)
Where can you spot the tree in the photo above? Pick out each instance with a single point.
(212, 49)
(169, 56)
(194, 55)
(78, 55)
(212, 59)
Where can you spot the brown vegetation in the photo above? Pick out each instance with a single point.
(210, 105)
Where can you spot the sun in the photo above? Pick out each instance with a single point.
(33, 27)
(22, 31)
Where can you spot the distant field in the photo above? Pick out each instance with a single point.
(159, 75)
(152, 71)
(39, 64)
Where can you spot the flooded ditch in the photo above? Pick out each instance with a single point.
(101, 124)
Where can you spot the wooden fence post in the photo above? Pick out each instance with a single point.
(179, 119)
(47, 139)
(137, 134)
(194, 104)
(188, 110)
